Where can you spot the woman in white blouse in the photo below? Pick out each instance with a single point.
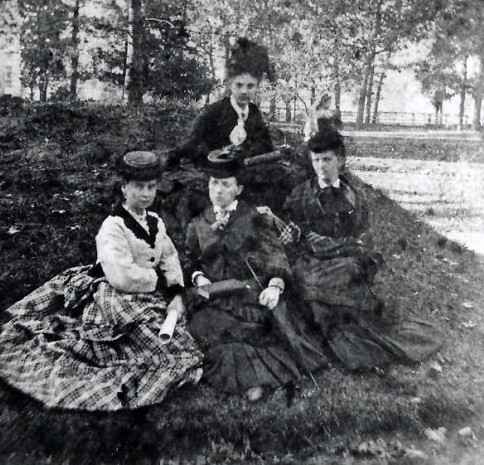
(91, 338)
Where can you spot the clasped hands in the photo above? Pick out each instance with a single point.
(269, 297)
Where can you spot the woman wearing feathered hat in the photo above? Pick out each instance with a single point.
(233, 121)
(90, 338)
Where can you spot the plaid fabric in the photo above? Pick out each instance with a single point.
(78, 343)
(289, 233)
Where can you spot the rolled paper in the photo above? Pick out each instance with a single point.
(168, 326)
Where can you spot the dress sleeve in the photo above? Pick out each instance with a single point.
(192, 246)
(272, 253)
(116, 259)
(293, 207)
(170, 263)
(195, 147)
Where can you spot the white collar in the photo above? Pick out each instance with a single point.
(336, 184)
(243, 113)
(230, 208)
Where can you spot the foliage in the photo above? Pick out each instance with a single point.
(42, 43)
(456, 38)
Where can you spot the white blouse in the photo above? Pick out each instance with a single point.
(129, 258)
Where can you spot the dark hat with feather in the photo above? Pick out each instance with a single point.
(224, 163)
(327, 138)
(249, 57)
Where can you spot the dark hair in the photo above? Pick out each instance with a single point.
(249, 57)
(327, 139)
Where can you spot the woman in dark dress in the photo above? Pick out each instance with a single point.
(89, 339)
(233, 121)
(248, 340)
(334, 269)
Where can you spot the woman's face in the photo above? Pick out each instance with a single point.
(327, 166)
(243, 88)
(139, 194)
(223, 191)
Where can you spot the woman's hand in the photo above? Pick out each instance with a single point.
(264, 210)
(202, 281)
(315, 238)
(176, 305)
(269, 297)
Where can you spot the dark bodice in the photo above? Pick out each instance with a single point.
(225, 253)
(211, 131)
(332, 212)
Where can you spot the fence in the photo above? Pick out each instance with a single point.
(391, 118)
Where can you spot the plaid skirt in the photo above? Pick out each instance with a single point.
(78, 343)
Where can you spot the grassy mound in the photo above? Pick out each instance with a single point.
(53, 198)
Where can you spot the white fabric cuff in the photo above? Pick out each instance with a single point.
(195, 275)
(277, 282)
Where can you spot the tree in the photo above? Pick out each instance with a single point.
(43, 45)
(456, 38)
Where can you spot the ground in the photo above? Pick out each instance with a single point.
(428, 413)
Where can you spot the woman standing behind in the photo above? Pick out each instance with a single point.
(233, 121)
(90, 337)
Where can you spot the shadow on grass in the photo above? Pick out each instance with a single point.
(55, 214)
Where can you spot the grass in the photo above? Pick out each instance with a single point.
(53, 198)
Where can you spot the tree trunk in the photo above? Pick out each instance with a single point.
(377, 98)
(369, 70)
(288, 112)
(273, 107)
(362, 97)
(478, 95)
(369, 92)
(476, 120)
(43, 86)
(463, 90)
(336, 76)
(75, 51)
(136, 84)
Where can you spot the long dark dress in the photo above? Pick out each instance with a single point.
(335, 276)
(245, 344)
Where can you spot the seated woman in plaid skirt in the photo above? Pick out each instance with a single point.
(334, 267)
(90, 338)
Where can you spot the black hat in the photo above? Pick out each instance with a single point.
(327, 138)
(249, 57)
(139, 166)
(223, 163)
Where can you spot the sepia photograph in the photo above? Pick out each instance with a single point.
(241, 232)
